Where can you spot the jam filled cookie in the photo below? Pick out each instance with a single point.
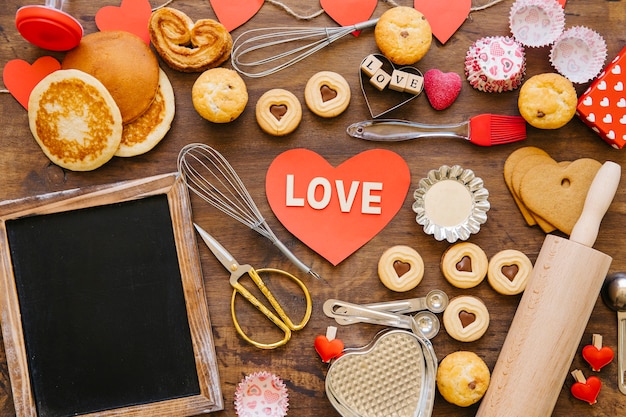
(463, 378)
(400, 268)
(466, 318)
(278, 112)
(327, 94)
(464, 265)
(509, 271)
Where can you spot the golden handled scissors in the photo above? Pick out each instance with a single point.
(237, 271)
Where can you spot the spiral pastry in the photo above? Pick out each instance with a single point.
(187, 46)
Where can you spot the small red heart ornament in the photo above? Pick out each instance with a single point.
(349, 12)
(587, 391)
(597, 358)
(131, 16)
(20, 77)
(335, 211)
(445, 17)
(234, 13)
(328, 349)
(441, 88)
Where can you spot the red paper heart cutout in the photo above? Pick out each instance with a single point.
(20, 77)
(441, 88)
(328, 349)
(445, 17)
(597, 358)
(349, 12)
(131, 16)
(587, 391)
(234, 13)
(335, 211)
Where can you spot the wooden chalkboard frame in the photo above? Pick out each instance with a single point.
(210, 397)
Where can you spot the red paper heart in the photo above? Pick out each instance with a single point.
(20, 77)
(349, 12)
(131, 16)
(445, 17)
(587, 391)
(328, 349)
(597, 358)
(297, 180)
(441, 88)
(234, 13)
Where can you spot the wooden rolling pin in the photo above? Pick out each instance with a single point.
(553, 313)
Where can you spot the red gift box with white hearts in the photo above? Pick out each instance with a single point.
(603, 106)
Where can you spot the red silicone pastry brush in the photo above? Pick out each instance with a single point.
(483, 130)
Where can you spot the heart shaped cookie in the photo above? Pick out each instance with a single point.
(20, 77)
(557, 192)
(132, 16)
(441, 88)
(387, 377)
(380, 102)
(187, 46)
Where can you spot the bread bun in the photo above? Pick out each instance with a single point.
(74, 120)
(124, 64)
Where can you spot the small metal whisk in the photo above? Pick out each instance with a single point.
(208, 174)
(307, 40)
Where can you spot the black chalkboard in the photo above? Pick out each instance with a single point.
(104, 316)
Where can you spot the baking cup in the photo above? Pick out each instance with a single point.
(579, 54)
(451, 203)
(536, 23)
(261, 394)
(495, 64)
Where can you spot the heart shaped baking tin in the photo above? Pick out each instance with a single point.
(394, 375)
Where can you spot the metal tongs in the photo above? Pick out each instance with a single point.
(393, 313)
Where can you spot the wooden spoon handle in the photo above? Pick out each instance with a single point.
(598, 200)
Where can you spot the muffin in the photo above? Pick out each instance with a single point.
(219, 95)
(547, 101)
(403, 35)
(463, 378)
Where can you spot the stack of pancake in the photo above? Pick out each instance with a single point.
(110, 98)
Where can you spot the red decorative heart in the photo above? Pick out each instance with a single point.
(597, 358)
(349, 12)
(441, 88)
(131, 16)
(587, 391)
(445, 17)
(234, 13)
(332, 210)
(328, 349)
(20, 77)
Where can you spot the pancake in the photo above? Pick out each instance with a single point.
(75, 120)
(147, 131)
(124, 64)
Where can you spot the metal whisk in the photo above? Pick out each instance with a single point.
(208, 174)
(307, 41)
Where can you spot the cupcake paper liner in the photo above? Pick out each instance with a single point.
(261, 394)
(536, 23)
(579, 54)
(495, 64)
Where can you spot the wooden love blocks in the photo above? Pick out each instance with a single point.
(398, 80)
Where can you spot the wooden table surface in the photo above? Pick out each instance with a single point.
(25, 171)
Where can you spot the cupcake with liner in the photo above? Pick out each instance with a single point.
(536, 23)
(495, 64)
(261, 394)
(579, 54)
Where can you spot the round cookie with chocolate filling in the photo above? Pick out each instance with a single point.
(327, 94)
(509, 271)
(463, 378)
(464, 265)
(400, 268)
(466, 318)
(278, 112)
